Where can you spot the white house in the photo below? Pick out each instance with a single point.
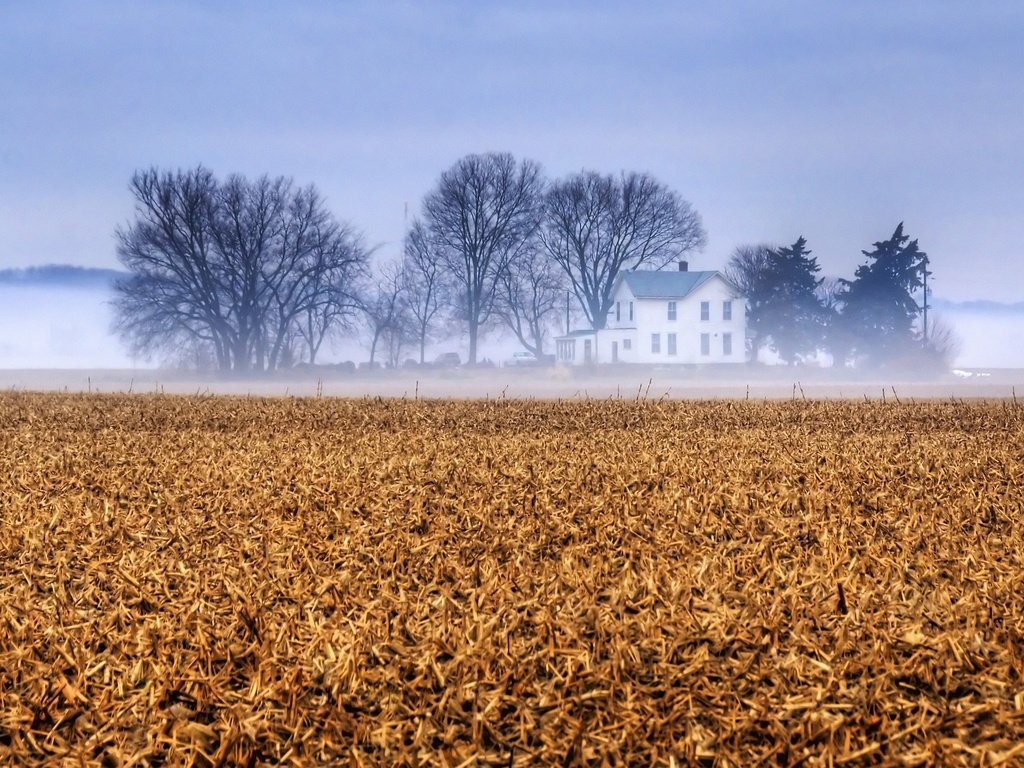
(664, 317)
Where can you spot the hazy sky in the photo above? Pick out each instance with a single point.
(834, 121)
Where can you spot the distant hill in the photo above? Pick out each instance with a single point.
(60, 275)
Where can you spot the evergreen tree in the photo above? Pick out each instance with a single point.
(789, 310)
(879, 309)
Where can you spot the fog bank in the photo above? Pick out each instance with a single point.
(69, 327)
(58, 327)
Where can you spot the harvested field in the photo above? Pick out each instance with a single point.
(397, 582)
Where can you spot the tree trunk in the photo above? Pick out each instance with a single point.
(314, 346)
(240, 355)
(373, 346)
(599, 319)
(473, 328)
(221, 354)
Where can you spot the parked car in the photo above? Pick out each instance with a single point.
(522, 359)
(448, 360)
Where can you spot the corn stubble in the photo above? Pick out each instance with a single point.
(243, 581)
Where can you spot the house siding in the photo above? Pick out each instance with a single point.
(650, 316)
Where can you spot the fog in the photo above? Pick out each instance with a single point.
(46, 329)
(57, 327)
(988, 338)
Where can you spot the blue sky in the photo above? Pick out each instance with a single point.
(775, 120)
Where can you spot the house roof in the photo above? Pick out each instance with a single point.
(650, 284)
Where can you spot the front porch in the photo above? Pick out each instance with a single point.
(589, 347)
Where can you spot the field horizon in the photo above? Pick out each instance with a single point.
(548, 383)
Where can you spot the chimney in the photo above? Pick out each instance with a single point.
(683, 266)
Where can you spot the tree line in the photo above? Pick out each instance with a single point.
(872, 319)
(257, 274)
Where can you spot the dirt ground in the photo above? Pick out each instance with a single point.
(541, 383)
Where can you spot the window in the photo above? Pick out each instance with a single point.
(705, 310)
(705, 344)
(727, 310)
(671, 310)
(671, 343)
(727, 344)
(627, 343)
(631, 311)
(655, 343)
(618, 312)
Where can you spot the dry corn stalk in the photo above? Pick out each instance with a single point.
(225, 580)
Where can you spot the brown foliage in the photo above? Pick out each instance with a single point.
(236, 581)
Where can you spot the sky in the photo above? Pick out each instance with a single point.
(831, 121)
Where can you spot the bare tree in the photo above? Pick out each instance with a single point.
(747, 266)
(330, 300)
(482, 212)
(530, 294)
(174, 294)
(748, 269)
(383, 309)
(248, 234)
(425, 290)
(312, 278)
(596, 226)
(395, 340)
(233, 265)
(943, 343)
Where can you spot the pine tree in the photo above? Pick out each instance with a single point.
(791, 313)
(879, 309)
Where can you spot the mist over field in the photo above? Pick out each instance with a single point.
(68, 326)
(989, 338)
(58, 327)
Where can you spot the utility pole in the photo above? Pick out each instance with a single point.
(567, 313)
(924, 279)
